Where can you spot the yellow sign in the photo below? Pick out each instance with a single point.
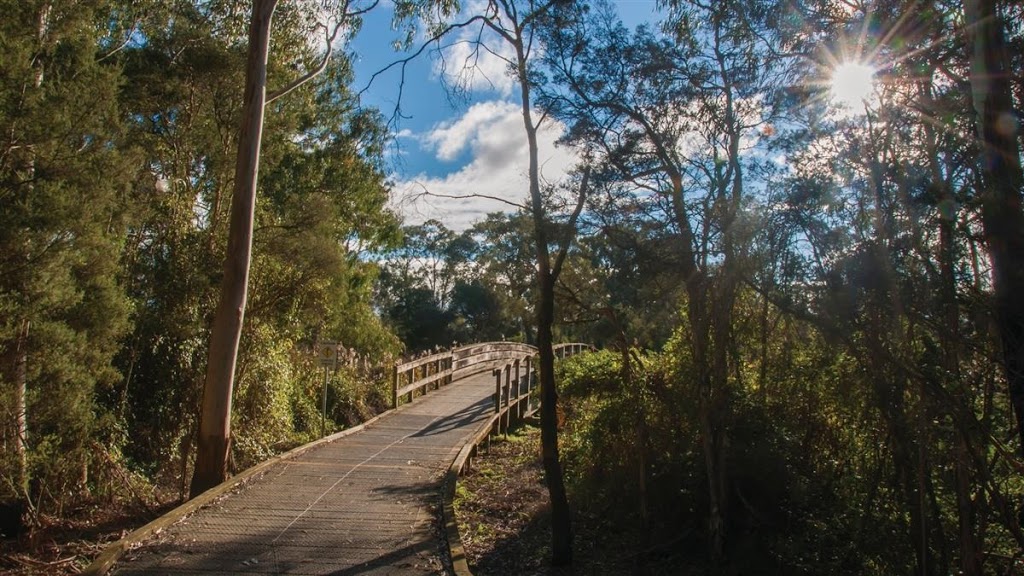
(327, 353)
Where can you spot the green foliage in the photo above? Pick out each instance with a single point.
(321, 209)
(478, 313)
(63, 184)
(439, 287)
(620, 425)
(120, 123)
(802, 470)
(353, 397)
(262, 421)
(629, 271)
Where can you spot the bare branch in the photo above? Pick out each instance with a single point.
(343, 20)
(127, 40)
(402, 63)
(469, 196)
(563, 248)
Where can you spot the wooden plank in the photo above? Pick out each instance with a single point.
(417, 362)
(363, 500)
(437, 377)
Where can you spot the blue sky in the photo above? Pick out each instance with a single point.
(473, 147)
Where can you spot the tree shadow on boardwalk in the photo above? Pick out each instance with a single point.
(421, 556)
(426, 491)
(460, 419)
(257, 553)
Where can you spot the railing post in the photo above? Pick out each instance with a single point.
(521, 399)
(508, 399)
(529, 381)
(426, 374)
(394, 385)
(518, 389)
(518, 379)
(411, 378)
(497, 390)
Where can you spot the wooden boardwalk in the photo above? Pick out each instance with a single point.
(367, 503)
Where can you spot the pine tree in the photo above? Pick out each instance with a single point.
(62, 179)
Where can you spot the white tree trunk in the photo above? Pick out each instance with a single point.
(215, 421)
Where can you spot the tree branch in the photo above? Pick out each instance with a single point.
(344, 19)
(426, 192)
(563, 248)
(127, 40)
(402, 63)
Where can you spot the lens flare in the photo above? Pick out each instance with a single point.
(852, 84)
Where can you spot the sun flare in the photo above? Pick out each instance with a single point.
(852, 84)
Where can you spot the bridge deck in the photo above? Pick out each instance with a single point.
(364, 504)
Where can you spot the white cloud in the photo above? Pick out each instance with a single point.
(494, 134)
(476, 129)
(476, 59)
(475, 67)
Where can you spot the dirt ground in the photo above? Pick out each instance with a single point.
(501, 506)
(59, 547)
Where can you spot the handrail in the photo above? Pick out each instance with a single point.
(436, 370)
(417, 362)
(511, 406)
(441, 368)
(571, 349)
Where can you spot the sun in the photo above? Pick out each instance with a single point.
(852, 84)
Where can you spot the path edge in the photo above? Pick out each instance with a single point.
(113, 552)
(456, 550)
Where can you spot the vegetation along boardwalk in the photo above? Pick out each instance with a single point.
(365, 503)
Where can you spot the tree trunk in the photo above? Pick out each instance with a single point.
(21, 406)
(1002, 216)
(969, 541)
(16, 362)
(713, 442)
(215, 423)
(762, 369)
(561, 520)
(15, 365)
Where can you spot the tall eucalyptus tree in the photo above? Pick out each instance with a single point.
(1002, 184)
(509, 30)
(338, 20)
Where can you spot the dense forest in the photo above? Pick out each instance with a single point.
(810, 307)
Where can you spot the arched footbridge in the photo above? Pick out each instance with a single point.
(373, 499)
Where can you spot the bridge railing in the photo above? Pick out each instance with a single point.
(515, 382)
(513, 387)
(571, 349)
(421, 375)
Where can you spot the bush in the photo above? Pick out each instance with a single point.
(618, 426)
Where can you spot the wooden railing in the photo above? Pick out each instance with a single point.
(513, 386)
(421, 375)
(571, 349)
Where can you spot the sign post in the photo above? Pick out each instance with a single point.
(327, 352)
